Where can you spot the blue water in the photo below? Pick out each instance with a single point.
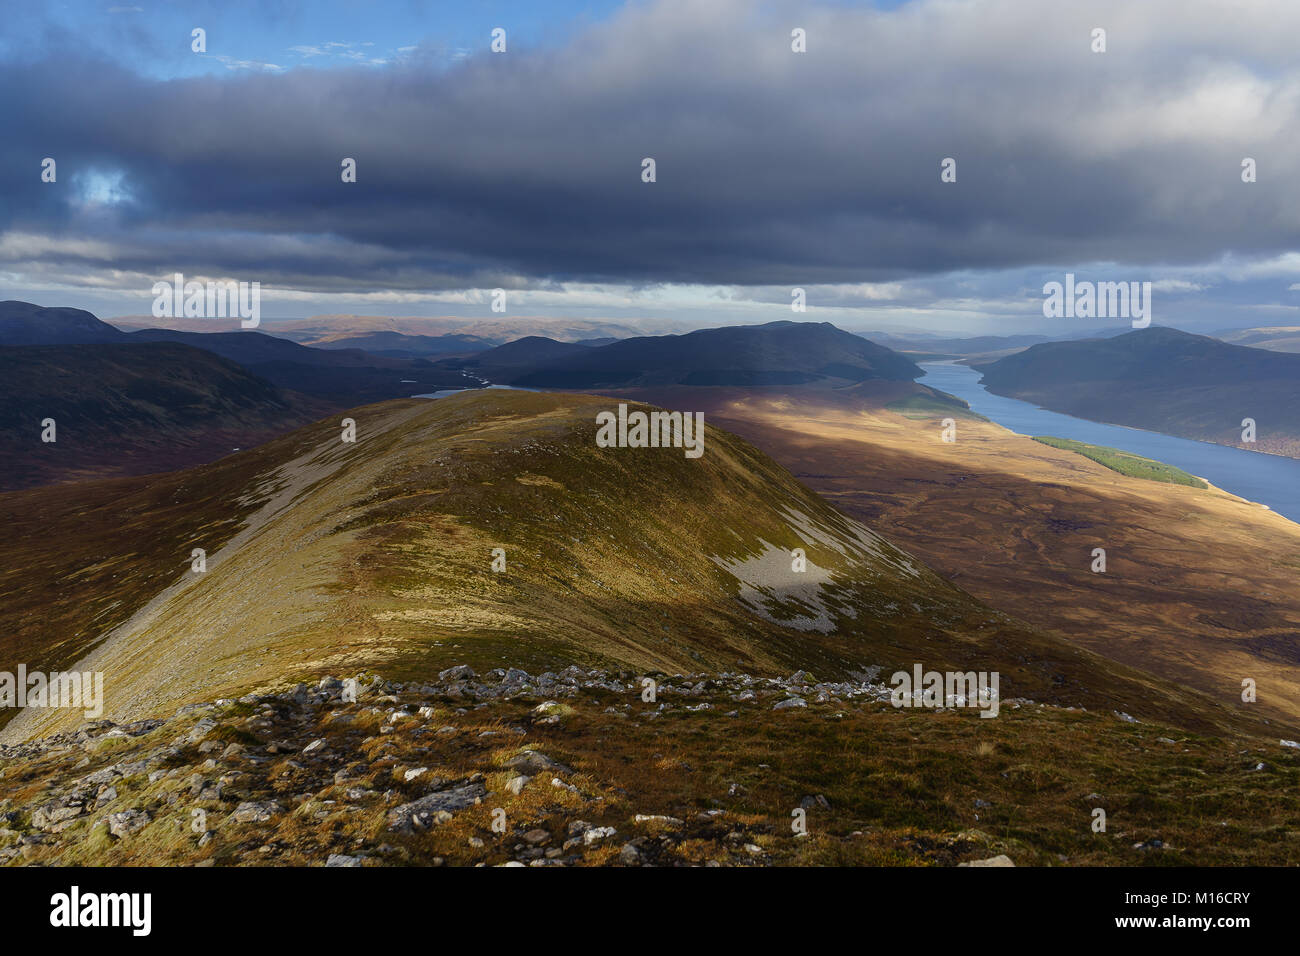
(1268, 479)
(441, 393)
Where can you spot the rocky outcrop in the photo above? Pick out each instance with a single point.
(461, 770)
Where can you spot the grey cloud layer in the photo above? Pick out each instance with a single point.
(773, 168)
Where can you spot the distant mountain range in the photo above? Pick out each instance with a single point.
(404, 346)
(1163, 380)
(778, 353)
(151, 399)
(340, 375)
(1158, 378)
(320, 330)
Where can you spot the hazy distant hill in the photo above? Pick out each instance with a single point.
(323, 328)
(320, 330)
(1164, 380)
(778, 353)
(399, 344)
(1283, 338)
(131, 409)
(23, 323)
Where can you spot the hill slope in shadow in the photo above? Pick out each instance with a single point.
(127, 409)
(778, 353)
(1162, 380)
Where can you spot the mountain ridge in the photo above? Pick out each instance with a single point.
(380, 553)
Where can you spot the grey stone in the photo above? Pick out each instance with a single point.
(421, 813)
(127, 822)
(532, 762)
(256, 812)
(629, 855)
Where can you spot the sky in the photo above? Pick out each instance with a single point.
(522, 170)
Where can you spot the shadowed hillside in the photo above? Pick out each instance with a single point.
(23, 323)
(778, 353)
(131, 409)
(1162, 380)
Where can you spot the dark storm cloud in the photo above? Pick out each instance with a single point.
(773, 167)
